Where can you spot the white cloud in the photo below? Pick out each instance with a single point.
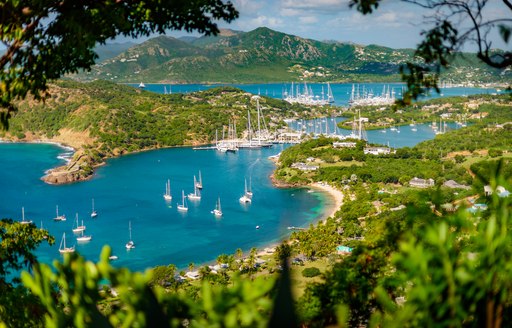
(314, 6)
(259, 21)
(248, 7)
(308, 19)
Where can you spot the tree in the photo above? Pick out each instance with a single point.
(18, 307)
(457, 23)
(48, 39)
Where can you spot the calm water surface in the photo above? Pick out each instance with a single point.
(131, 188)
(341, 91)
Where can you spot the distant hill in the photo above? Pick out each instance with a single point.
(265, 55)
(110, 50)
(189, 39)
(102, 120)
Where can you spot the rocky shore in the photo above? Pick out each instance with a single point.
(79, 168)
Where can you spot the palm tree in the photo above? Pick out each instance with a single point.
(191, 266)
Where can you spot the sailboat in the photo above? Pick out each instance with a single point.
(83, 237)
(23, 221)
(59, 217)
(183, 207)
(93, 212)
(142, 85)
(248, 192)
(62, 248)
(196, 195)
(199, 184)
(245, 198)
(130, 244)
(217, 211)
(167, 195)
(79, 228)
(330, 97)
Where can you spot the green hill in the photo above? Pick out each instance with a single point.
(265, 55)
(103, 119)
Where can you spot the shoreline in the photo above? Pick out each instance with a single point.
(333, 193)
(330, 208)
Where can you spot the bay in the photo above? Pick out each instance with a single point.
(341, 91)
(130, 189)
(404, 136)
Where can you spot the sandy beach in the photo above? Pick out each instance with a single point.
(335, 194)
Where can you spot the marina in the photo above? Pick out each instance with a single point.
(164, 234)
(341, 92)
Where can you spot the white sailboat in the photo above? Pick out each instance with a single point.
(183, 207)
(23, 221)
(248, 192)
(83, 238)
(62, 248)
(142, 85)
(59, 217)
(330, 97)
(217, 211)
(245, 198)
(78, 228)
(167, 195)
(199, 184)
(93, 212)
(130, 244)
(196, 194)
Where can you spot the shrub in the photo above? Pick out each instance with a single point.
(310, 272)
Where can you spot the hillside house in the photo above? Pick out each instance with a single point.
(421, 183)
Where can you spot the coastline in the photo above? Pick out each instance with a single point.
(333, 193)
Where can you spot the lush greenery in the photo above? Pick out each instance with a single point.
(265, 55)
(113, 119)
(409, 259)
(47, 39)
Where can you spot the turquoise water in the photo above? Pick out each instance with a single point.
(341, 91)
(131, 188)
(403, 137)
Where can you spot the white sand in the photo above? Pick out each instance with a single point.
(335, 194)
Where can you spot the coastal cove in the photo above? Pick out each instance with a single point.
(130, 189)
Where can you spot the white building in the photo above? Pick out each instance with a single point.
(377, 150)
(421, 183)
(345, 144)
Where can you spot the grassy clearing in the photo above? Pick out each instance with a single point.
(342, 164)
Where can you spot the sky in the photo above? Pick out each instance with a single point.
(395, 24)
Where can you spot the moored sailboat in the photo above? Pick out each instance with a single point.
(183, 207)
(59, 217)
(62, 248)
(83, 238)
(217, 211)
(93, 212)
(167, 195)
(79, 228)
(23, 220)
(196, 194)
(199, 183)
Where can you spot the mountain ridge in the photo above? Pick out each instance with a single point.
(266, 55)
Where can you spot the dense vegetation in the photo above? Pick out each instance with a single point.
(408, 258)
(265, 55)
(111, 119)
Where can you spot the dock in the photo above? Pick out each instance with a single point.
(204, 148)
